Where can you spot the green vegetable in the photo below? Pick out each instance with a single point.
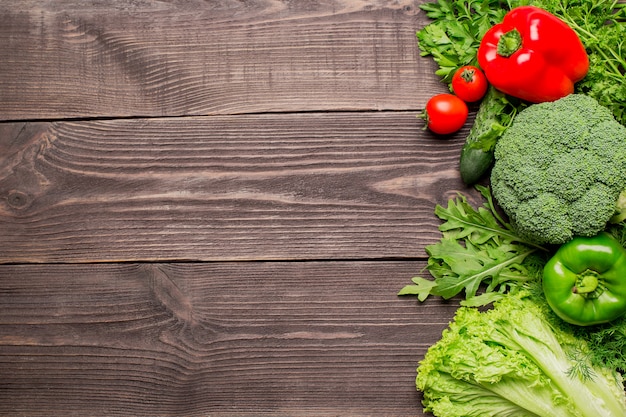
(512, 361)
(477, 247)
(559, 169)
(457, 27)
(607, 343)
(585, 281)
(495, 114)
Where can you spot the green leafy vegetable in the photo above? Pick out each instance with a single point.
(607, 344)
(511, 361)
(453, 37)
(477, 247)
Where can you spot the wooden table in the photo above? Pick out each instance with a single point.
(207, 207)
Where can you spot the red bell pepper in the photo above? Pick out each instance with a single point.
(533, 55)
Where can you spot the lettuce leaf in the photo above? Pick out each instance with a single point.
(511, 361)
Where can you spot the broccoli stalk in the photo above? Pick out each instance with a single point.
(620, 209)
(512, 361)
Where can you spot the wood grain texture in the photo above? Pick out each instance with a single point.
(71, 59)
(256, 187)
(297, 338)
(207, 207)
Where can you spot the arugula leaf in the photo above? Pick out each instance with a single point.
(477, 247)
(421, 287)
(482, 299)
(468, 265)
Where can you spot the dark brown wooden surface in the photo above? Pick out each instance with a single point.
(208, 207)
(278, 338)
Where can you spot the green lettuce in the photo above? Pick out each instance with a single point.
(512, 361)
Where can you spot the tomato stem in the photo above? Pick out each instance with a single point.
(468, 75)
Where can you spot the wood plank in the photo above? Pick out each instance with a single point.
(256, 187)
(73, 59)
(257, 338)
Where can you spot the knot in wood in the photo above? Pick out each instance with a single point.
(18, 199)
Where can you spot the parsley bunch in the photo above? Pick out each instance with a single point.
(457, 27)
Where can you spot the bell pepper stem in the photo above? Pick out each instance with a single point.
(509, 43)
(586, 283)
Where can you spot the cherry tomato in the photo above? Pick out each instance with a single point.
(445, 114)
(469, 83)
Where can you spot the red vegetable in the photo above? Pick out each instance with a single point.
(469, 83)
(533, 55)
(445, 113)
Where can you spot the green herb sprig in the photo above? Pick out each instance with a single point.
(477, 247)
(457, 27)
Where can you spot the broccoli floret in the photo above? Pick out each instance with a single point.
(532, 213)
(559, 169)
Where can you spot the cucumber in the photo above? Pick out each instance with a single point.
(495, 114)
(474, 163)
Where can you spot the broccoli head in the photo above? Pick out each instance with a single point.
(559, 169)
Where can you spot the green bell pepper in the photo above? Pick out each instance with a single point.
(585, 281)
